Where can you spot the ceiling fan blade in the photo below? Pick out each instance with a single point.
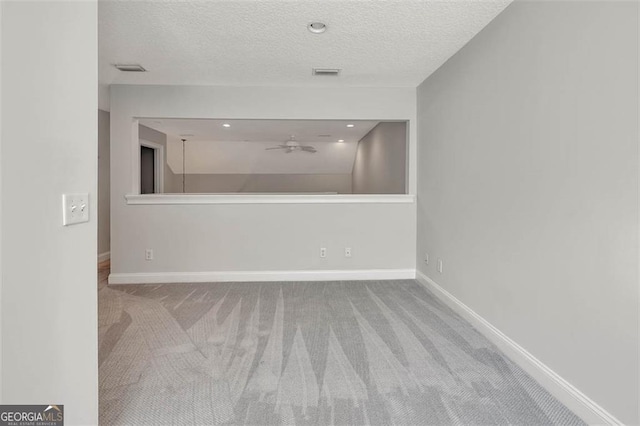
(309, 149)
(277, 147)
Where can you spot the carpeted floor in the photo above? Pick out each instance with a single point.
(374, 352)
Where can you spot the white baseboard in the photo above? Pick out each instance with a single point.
(239, 276)
(104, 256)
(564, 391)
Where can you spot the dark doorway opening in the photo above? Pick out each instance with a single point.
(147, 170)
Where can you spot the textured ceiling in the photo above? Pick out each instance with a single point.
(266, 43)
(277, 131)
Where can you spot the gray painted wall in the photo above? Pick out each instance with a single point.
(172, 181)
(104, 185)
(380, 164)
(204, 183)
(528, 187)
(250, 237)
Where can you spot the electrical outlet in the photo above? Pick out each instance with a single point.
(75, 208)
(426, 258)
(440, 265)
(323, 252)
(148, 254)
(347, 252)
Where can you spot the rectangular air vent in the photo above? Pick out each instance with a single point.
(326, 71)
(130, 67)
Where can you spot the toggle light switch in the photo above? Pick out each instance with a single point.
(75, 208)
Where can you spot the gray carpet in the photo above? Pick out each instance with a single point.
(374, 352)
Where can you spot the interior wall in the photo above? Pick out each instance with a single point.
(49, 147)
(528, 187)
(103, 97)
(172, 182)
(104, 183)
(381, 158)
(254, 237)
(282, 183)
(243, 182)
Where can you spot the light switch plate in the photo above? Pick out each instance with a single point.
(75, 208)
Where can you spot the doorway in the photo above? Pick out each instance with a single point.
(147, 170)
(151, 168)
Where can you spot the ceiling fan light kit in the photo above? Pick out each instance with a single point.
(291, 145)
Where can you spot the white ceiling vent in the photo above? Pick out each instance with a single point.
(326, 71)
(130, 67)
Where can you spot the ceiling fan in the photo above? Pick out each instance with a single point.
(291, 145)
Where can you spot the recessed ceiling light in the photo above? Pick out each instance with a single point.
(226, 125)
(351, 125)
(317, 27)
(340, 140)
(130, 67)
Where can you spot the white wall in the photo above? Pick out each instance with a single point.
(381, 158)
(250, 237)
(49, 146)
(528, 187)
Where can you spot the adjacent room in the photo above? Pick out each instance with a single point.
(272, 156)
(321, 212)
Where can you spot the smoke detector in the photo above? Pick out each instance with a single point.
(317, 27)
